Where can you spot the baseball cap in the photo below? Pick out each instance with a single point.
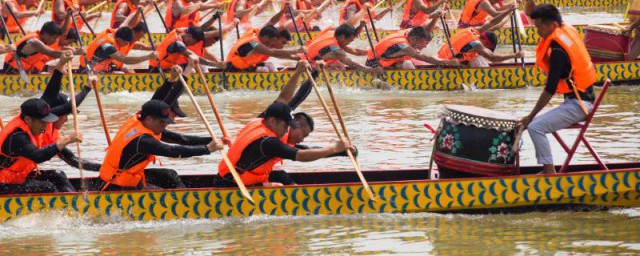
(158, 109)
(280, 111)
(38, 108)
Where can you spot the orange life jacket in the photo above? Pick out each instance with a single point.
(412, 17)
(343, 10)
(49, 136)
(20, 167)
(380, 48)
(110, 171)
(471, 15)
(253, 131)
(67, 4)
(583, 73)
(251, 60)
(324, 39)
(198, 48)
(168, 60)
(130, 9)
(105, 37)
(458, 41)
(12, 24)
(301, 5)
(231, 11)
(183, 21)
(32, 63)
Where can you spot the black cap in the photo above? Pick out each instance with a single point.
(280, 111)
(158, 109)
(38, 108)
(169, 93)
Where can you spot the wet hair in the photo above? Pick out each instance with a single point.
(492, 38)
(196, 32)
(420, 32)
(73, 35)
(51, 28)
(345, 30)
(141, 27)
(269, 31)
(285, 34)
(124, 33)
(546, 13)
(304, 116)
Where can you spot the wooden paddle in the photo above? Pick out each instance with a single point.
(96, 7)
(76, 127)
(519, 24)
(23, 74)
(225, 158)
(365, 184)
(224, 74)
(153, 45)
(210, 97)
(39, 15)
(519, 43)
(1, 124)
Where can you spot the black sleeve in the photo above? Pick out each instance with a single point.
(53, 87)
(303, 92)
(20, 145)
(273, 147)
(150, 146)
(66, 108)
(162, 91)
(68, 157)
(177, 138)
(559, 69)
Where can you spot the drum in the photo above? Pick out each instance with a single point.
(476, 141)
(606, 43)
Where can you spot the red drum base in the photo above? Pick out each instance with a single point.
(606, 43)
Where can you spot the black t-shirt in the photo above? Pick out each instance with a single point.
(18, 144)
(140, 148)
(560, 68)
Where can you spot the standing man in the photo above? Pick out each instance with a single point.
(562, 55)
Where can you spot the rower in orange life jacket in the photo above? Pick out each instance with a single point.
(138, 142)
(475, 46)
(36, 49)
(416, 12)
(21, 151)
(332, 45)
(272, 137)
(185, 13)
(563, 57)
(109, 51)
(20, 10)
(173, 48)
(59, 10)
(254, 48)
(398, 49)
(352, 7)
(475, 12)
(121, 10)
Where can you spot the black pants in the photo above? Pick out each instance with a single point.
(156, 178)
(48, 181)
(276, 176)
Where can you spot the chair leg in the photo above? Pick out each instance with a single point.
(564, 145)
(593, 153)
(572, 151)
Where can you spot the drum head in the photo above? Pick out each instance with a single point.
(480, 117)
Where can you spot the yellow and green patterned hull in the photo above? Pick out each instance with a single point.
(448, 79)
(606, 188)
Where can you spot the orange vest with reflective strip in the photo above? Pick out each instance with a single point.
(583, 72)
(458, 41)
(380, 48)
(324, 39)
(105, 37)
(20, 166)
(471, 15)
(183, 21)
(251, 60)
(167, 60)
(12, 24)
(253, 131)
(231, 10)
(130, 9)
(110, 171)
(67, 4)
(49, 136)
(32, 63)
(412, 17)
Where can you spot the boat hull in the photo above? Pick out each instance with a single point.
(619, 188)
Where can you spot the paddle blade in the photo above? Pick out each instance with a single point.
(24, 77)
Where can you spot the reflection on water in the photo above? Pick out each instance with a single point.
(533, 233)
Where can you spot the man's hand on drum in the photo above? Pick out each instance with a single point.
(525, 121)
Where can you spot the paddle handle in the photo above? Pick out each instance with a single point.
(76, 124)
(225, 158)
(336, 106)
(205, 84)
(39, 15)
(102, 117)
(447, 36)
(97, 7)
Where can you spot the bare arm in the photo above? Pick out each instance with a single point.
(418, 5)
(39, 46)
(88, 2)
(487, 7)
(178, 9)
(130, 60)
(15, 11)
(278, 53)
(120, 13)
(491, 56)
(491, 25)
(58, 8)
(143, 47)
(276, 18)
(342, 57)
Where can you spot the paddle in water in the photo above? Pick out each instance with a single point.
(23, 74)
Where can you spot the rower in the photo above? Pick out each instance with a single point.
(303, 11)
(35, 50)
(170, 91)
(275, 136)
(352, 7)
(416, 12)
(109, 51)
(6, 48)
(240, 9)
(397, 50)
(562, 55)
(252, 50)
(475, 12)
(20, 152)
(121, 10)
(59, 10)
(474, 46)
(186, 13)
(21, 12)
(61, 107)
(173, 49)
(331, 45)
(139, 141)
